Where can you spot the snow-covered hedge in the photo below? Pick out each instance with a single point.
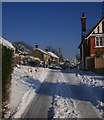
(7, 67)
(6, 43)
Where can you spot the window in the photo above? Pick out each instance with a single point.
(103, 27)
(99, 42)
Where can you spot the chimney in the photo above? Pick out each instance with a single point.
(83, 22)
(46, 49)
(36, 45)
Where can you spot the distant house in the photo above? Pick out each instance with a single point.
(41, 54)
(53, 58)
(92, 46)
(45, 56)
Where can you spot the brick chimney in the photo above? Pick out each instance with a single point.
(36, 45)
(83, 22)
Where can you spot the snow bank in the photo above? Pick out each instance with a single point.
(68, 104)
(25, 101)
(87, 77)
(64, 108)
(92, 80)
(26, 81)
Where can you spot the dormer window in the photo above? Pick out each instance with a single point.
(99, 41)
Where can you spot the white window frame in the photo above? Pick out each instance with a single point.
(97, 38)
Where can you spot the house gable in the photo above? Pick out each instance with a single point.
(97, 29)
(53, 55)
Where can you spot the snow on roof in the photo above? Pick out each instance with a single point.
(6, 43)
(49, 53)
(53, 55)
(41, 50)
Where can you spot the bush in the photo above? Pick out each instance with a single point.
(34, 63)
(98, 54)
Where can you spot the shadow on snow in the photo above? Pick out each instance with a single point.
(82, 92)
(84, 73)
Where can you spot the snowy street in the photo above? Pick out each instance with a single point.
(62, 96)
(48, 93)
(42, 101)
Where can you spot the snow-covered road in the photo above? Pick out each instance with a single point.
(64, 94)
(80, 96)
(46, 93)
(42, 101)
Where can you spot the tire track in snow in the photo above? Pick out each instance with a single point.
(63, 107)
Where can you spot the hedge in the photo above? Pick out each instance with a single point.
(7, 68)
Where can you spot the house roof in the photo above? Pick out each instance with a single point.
(94, 27)
(53, 55)
(87, 33)
(48, 53)
(41, 50)
(6, 43)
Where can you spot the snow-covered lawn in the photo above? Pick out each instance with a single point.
(26, 81)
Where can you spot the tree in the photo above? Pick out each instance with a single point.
(78, 57)
(59, 53)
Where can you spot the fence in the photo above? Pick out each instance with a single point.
(90, 65)
(95, 64)
(99, 65)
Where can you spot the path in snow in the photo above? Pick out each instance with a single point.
(42, 101)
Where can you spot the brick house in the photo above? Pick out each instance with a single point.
(92, 45)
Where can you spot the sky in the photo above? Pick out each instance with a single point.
(55, 24)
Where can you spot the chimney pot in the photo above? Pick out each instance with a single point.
(83, 22)
(36, 45)
(83, 14)
(46, 50)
